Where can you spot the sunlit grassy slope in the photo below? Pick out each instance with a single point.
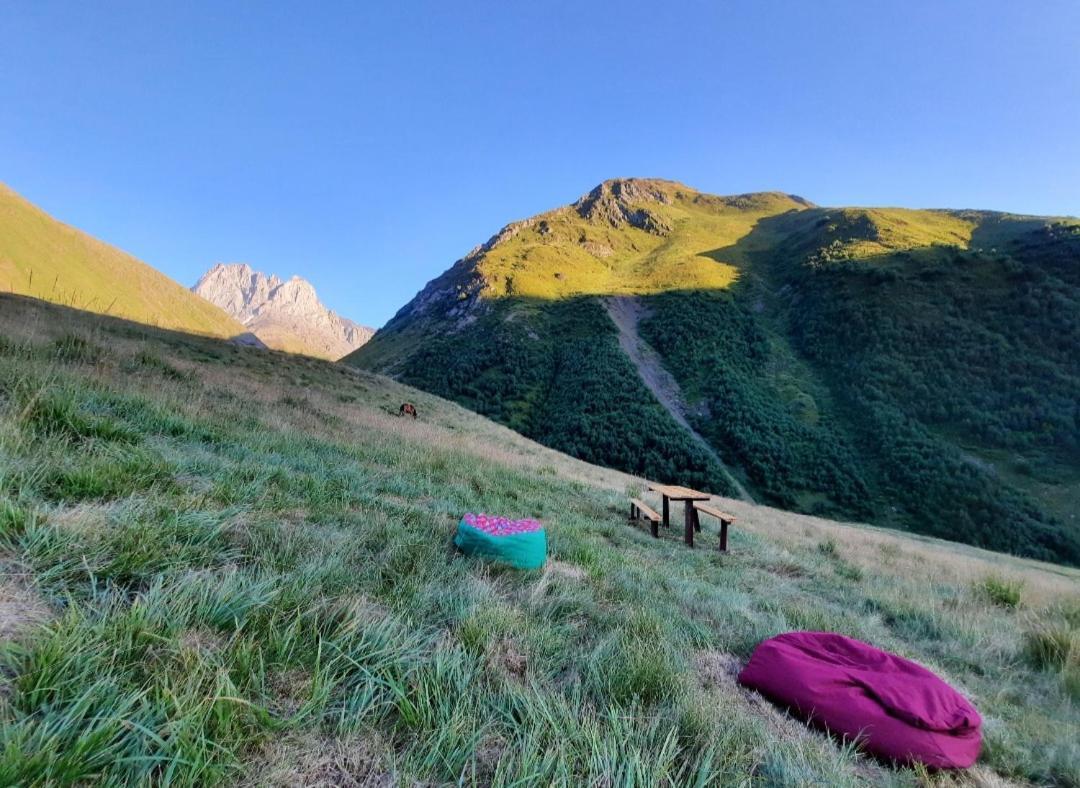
(44, 258)
(671, 237)
(229, 565)
(837, 359)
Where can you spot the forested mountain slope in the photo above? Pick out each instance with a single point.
(912, 368)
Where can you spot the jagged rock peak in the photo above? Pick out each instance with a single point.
(624, 201)
(286, 315)
(237, 288)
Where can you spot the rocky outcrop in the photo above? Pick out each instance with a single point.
(623, 202)
(285, 315)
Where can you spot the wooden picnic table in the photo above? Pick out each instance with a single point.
(670, 493)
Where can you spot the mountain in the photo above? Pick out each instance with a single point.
(225, 566)
(284, 315)
(913, 368)
(46, 259)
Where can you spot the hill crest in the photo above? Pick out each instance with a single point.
(45, 258)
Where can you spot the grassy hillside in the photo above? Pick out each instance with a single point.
(669, 237)
(225, 564)
(44, 258)
(838, 360)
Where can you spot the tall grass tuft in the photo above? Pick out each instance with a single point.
(1000, 591)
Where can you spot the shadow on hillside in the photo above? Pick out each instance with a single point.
(26, 310)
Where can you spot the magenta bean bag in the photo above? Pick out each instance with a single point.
(897, 710)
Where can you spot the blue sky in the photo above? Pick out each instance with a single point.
(366, 146)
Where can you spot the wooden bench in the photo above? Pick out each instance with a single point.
(724, 518)
(640, 509)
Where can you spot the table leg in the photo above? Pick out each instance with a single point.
(667, 519)
(691, 518)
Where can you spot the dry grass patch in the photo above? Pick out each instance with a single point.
(201, 642)
(22, 607)
(719, 671)
(919, 559)
(314, 761)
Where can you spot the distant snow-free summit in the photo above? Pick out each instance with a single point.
(286, 315)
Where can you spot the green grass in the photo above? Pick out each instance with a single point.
(1001, 591)
(565, 253)
(44, 258)
(263, 593)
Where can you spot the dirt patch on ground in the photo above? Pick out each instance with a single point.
(507, 657)
(569, 571)
(289, 691)
(21, 606)
(201, 642)
(313, 761)
(718, 670)
(488, 754)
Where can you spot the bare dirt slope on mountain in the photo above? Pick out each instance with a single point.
(626, 312)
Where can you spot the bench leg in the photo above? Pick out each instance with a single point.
(654, 529)
(633, 512)
(667, 518)
(697, 517)
(723, 536)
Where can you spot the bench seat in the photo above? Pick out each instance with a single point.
(724, 518)
(641, 510)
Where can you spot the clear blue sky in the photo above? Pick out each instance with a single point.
(366, 146)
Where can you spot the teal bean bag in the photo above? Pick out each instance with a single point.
(520, 543)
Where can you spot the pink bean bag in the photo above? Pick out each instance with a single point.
(896, 709)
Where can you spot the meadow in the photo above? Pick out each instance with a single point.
(230, 565)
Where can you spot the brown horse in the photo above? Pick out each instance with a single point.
(407, 409)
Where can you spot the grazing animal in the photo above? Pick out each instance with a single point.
(407, 409)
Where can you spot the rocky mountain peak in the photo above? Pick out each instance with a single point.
(286, 315)
(624, 201)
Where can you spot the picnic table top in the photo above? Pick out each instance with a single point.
(679, 493)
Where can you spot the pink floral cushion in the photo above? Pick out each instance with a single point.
(501, 526)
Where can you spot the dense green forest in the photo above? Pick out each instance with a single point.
(554, 372)
(754, 405)
(938, 356)
(871, 390)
